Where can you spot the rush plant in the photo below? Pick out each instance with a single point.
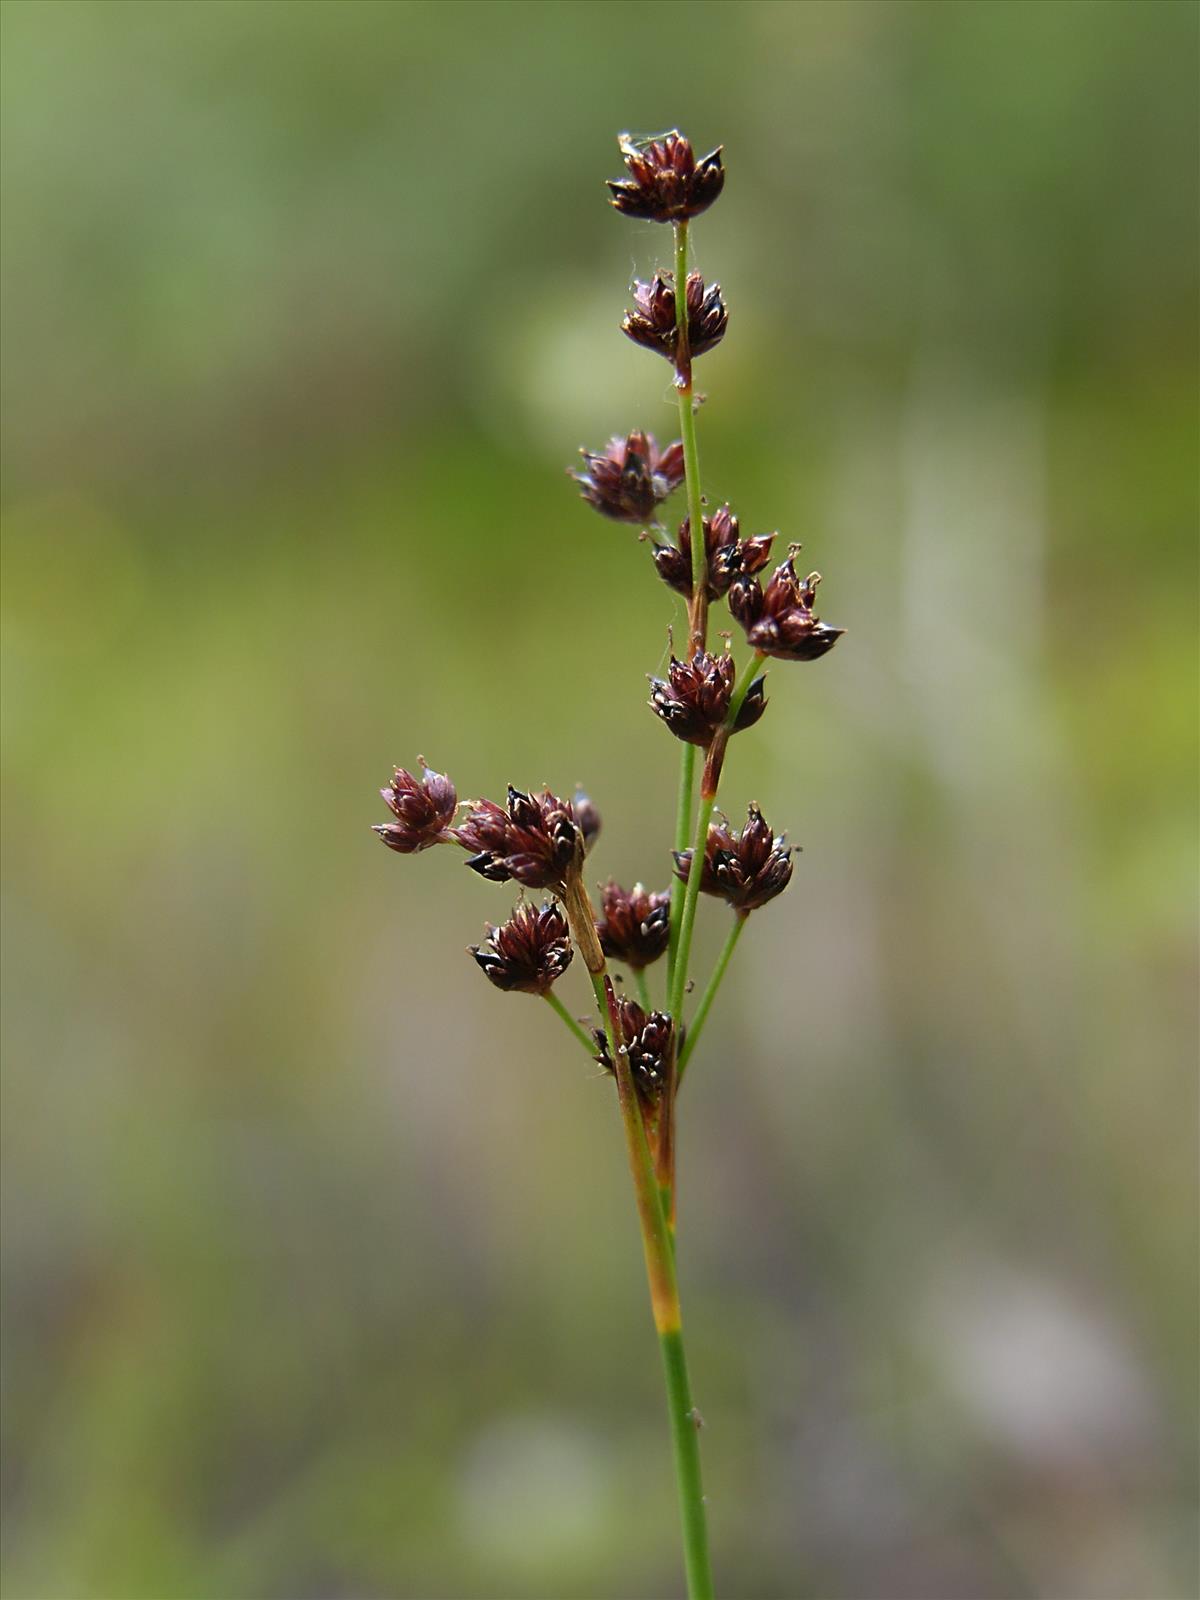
(541, 842)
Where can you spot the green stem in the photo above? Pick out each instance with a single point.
(557, 1006)
(710, 994)
(708, 799)
(683, 825)
(643, 989)
(685, 1424)
(698, 610)
(664, 1301)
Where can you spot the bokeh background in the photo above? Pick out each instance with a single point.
(321, 1271)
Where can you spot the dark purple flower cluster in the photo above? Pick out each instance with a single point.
(744, 869)
(652, 322)
(528, 952)
(728, 555)
(630, 477)
(666, 183)
(694, 700)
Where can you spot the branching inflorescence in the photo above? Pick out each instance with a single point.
(541, 841)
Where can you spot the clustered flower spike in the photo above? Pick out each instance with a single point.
(652, 320)
(780, 621)
(423, 807)
(529, 952)
(729, 555)
(630, 477)
(634, 925)
(666, 183)
(647, 1047)
(694, 701)
(536, 840)
(745, 870)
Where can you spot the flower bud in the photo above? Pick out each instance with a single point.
(528, 952)
(652, 321)
(587, 819)
(694, 701)
(666, 183)
(629, 479)
(728, 555)
(780, 621)
(536, 840)
(745, 870)
(634, 926)
(424, 809)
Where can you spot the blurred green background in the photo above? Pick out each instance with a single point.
(321, 1270)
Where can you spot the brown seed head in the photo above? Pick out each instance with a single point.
(745, 869)
(634, 925)
(652, 320)
(694, 701)
(535, 840)
(666, 183)
(729, 555)
(423, 807)
(780, 621)
(630, 477)
(528, 952)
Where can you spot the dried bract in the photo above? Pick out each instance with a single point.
(652, 321)
(630, 477)
(694, 701)
(424, 808)
(634, 925)
(729, 556)
(666, 183)
(529, 952)
(780, 621)
(745, 869)
(535, 840)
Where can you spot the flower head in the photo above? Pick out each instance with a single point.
(634, 925)
(652, 320)
(647, 1048)
(729, 556)
(423, 807)
(630, 477)
(535, 840)
(666, 183)
(780, 621)
(694, 701)
(528, 952)
(745, 869)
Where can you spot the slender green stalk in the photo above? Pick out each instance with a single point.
(710, 993)
(642, 985)
(698, 610)
(683, 828)
(708, 799)
(685, 1423)
(580, 1033)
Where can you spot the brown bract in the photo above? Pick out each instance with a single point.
(779, 621)
(745, 869)
(634, 925)
(694, 700)
(729, 556)
(535, 840)
(423, 807)
(630, 477)
(528, 952)
(652, 321)
(666, 183)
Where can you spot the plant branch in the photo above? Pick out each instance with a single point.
(710, 993)
(580, 1033)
